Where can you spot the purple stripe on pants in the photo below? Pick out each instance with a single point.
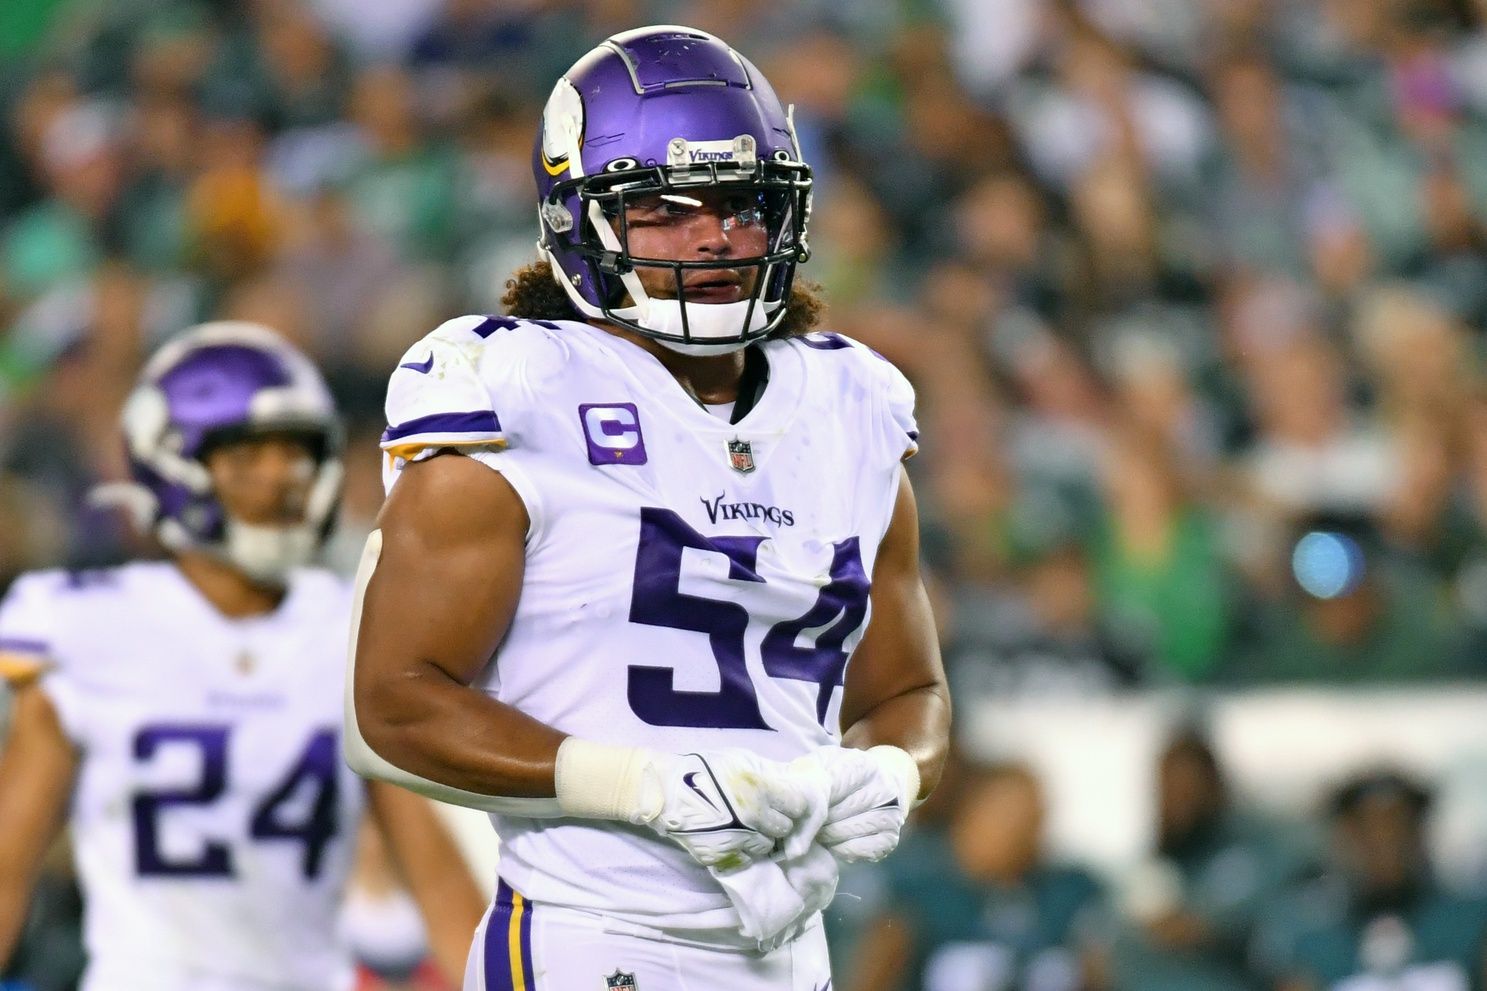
(526, 944)
(497, 942)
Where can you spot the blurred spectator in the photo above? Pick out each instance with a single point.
(1101, 107)
(977, 904)
(1001, 227)
(62, 237)
(234, 217)
(1264, 168)
(1042, 639)
(1190, 910)
(1313, 452)
(1353, 614)
(1160, 574)
(1381, 918)
(404, 184)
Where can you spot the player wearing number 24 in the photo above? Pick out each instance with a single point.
(646, 584)
(183, 715)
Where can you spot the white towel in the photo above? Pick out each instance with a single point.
(775, 898)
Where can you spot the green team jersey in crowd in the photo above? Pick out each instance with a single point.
(1434, 942)
(969, 934)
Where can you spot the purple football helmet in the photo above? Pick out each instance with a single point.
(214, 384)
(666, 111)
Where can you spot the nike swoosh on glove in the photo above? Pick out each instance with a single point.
(731, 807)
(872, 792)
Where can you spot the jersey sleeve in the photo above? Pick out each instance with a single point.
(27, 628)
(437, 397)
(900, 425)
(472, 386)
(897, 428)
(32, 625)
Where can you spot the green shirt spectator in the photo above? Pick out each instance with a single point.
(977, 906)
(1353, 615)
(1382, 920)
(1177, 602)
(1191, 909)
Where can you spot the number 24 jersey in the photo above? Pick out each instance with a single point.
(212, 816)
(689, 583)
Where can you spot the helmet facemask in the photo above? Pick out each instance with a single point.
(268, 552)
(776, 194)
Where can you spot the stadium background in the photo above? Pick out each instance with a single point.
(1193, 295)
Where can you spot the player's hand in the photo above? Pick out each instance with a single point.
(872, 792)
(731, 807)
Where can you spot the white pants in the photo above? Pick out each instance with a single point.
(520, 946)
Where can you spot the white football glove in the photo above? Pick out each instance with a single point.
(727, 808)
(872, 792)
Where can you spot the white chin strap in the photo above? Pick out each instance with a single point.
(705, 322)
(267, 554)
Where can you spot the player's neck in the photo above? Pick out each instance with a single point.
(712, 379)
(226, 588)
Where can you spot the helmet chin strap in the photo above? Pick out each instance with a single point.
(704, 321)
(266, 554)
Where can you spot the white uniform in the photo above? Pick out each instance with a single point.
(689, 584)
(213, 818)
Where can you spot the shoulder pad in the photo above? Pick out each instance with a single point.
(895, 394)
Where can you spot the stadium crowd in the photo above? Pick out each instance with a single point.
(1193, 295)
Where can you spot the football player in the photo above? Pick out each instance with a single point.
(184, 718)
(649, 559)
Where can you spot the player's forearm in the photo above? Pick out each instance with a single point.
(37, 766)
(436, 872)
(429, 725)
(451, 926)
(917, 721)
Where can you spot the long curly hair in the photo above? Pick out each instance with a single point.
(533, 293)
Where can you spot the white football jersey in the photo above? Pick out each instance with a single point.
(213, 817)
(690, 583)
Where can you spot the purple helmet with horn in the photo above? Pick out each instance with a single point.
(666, 111)
(214, 384)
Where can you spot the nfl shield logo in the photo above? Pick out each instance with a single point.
(625, 982)
(740, 456)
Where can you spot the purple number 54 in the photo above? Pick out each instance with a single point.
(838, 612)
